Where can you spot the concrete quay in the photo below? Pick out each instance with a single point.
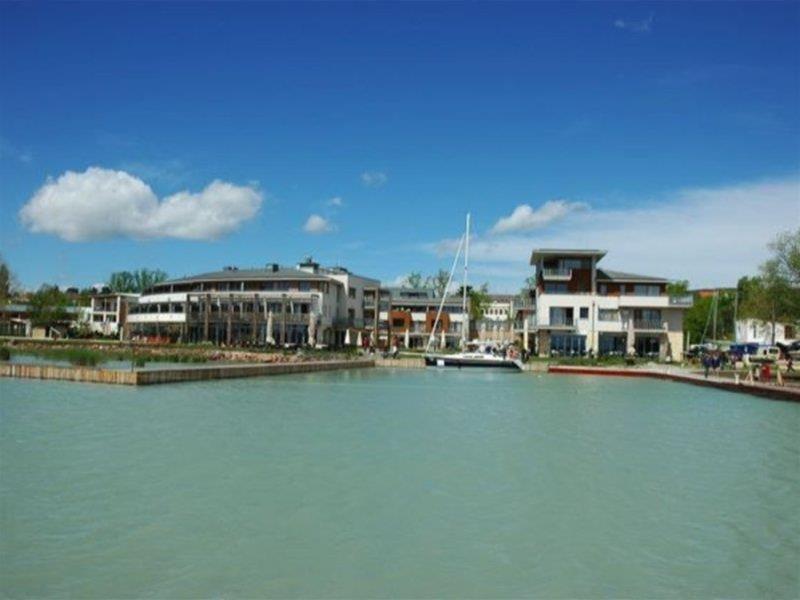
(766, 390)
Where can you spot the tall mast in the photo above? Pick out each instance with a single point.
(465, 316)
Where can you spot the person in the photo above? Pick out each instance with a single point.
(706, 364)
(789, 364)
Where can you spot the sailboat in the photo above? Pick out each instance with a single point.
(476, 353)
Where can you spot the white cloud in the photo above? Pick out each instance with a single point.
(335, 201)
(100, 203)
(316, 224)
(643, 26)
(710, 236)
(525, 218)
(374, 179)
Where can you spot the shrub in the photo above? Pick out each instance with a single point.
(5, 353)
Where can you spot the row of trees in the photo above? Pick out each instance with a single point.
(135, 281)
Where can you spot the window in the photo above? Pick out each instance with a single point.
(604, 289)
(304, 286)
(398, 323)
(555, 288)
(646, 290)
(352, 293)
(584, 312)
(605, 314)
(568, 344)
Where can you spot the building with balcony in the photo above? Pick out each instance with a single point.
(108, 312)
(581, 307)
(408, 316)
(273, 304)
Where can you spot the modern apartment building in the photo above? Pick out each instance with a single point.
(108, 312)
(581, 307)
(409, 314)
(273, 304)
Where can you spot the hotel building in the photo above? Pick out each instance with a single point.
(273, 304)
(581, 307)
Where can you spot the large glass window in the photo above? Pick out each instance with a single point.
(551, 287)
(605, 314)
(646, 290)
(567, 344)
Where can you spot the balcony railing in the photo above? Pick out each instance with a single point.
(561, 321)
(647, 324)
(557, 274)
(687, 300)
(348, 322)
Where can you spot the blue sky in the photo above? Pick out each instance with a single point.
(667, 133)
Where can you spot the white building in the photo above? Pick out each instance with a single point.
(581, 307)
(273, 304)
(108, 312)
(497, 322)
(754, 331)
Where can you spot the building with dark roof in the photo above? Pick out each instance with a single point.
(582, 308)
(273, 304)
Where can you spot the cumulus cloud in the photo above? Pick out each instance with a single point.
(643, 26)
(374, 179)
(335, 201)
(710, 235)
(316, 224)
(100, 203)
(526, 218)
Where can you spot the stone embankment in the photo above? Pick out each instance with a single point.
(156, 375)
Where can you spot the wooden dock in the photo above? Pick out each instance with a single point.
(157, 376)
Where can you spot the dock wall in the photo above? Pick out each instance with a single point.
(156, 376)
(766, 390)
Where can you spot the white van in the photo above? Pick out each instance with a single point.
(764, 354)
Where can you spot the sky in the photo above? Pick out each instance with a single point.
(187, 137)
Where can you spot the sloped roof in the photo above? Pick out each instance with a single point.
(250, 274)
(608, 275)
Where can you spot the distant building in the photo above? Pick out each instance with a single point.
(581, 307)
(108, 312)
(754, 331)
(497, 323)
(411, 313)
(273, 304)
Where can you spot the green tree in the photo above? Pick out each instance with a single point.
(479, 300)
(136, 281)
(48, 305)
(774, 296)
(6, 282)
(122, 282)
(438, 282)
(678, 288)
(786, 254)
(414, 280)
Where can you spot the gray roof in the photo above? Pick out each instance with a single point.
(608, 275)
(538, 253)
(282, 273)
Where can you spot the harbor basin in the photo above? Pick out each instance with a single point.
(398, 483)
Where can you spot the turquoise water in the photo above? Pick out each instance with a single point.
(376, 483)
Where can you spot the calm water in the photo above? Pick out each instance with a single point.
(407, 483)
